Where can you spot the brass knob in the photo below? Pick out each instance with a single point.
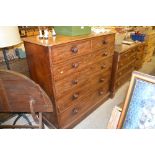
(103, 66)
(121, 64)
(75, 111)
(75, 65)
(75, 96)
(75, 81)
(74, 49)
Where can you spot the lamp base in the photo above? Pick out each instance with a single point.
(6, 58)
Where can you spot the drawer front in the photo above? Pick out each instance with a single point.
(102, 66)
(103, 42)
(72, 66)
(123, 79)
(77, 110)
(103, 53)
(72, 82)
(126, 69)
(69, 51)
(85, 77)
(75, 96)
(122, 63)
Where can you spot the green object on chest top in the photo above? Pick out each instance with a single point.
(72, 30)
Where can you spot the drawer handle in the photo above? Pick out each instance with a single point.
(75, 111)
(102, 80)
(75, 81)
(104, 42)
(120, 73)
(75, 96)
(121, 64)
(74, 49)
(103, 66)
(75, 65)
(105, 54)
(101, 92)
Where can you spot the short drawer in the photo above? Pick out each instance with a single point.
(103, 42)
(70, 50)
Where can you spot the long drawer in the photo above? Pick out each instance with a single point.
(81, 64)
(78, 80)
(77, 110)
(77, 95)
(72, 66)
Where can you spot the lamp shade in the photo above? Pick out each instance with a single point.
(9, 36)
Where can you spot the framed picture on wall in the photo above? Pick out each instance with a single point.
(139, 108)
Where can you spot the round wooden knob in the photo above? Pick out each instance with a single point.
(75, 96)
(120, 73)
(102, 80)
(105, 54)
(75, 111)
(101, 92)
(104, 42)
(74, 49)
(75, 65)
(103, 66)
(75, 81)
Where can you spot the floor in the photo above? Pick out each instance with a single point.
(100, 117)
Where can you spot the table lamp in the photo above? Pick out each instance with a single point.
(9, 36)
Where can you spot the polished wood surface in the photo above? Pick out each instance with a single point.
(17, 91)
(74, 71)
(61, 39)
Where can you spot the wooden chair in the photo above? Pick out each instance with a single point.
(19, 94)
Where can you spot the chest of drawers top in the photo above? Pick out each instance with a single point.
(61, 39)
(124, 47)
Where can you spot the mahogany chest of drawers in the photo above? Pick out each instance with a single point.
(74, 71)
(127, 58)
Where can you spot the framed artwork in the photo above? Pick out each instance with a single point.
(139, 108)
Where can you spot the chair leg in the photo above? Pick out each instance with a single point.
(41, 125)
(24, 116)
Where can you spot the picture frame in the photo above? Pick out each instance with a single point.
(138, 111)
